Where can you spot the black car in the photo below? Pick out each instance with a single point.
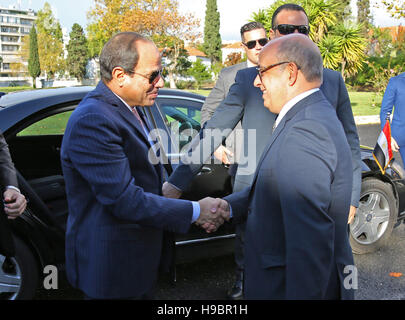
(33, 124)
(382, 204)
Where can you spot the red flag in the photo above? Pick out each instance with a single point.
(382, 152)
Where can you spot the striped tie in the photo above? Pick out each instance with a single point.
(135, 112)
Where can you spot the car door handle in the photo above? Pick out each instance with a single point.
(205, 170)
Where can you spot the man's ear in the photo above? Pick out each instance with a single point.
(119, 76)
(272, 34)
(293, 71)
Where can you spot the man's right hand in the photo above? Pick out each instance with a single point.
(213, 213)
(222, 154)
(15, 203)
(170, 192)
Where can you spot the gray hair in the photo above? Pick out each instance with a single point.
(120, 51)
(307, 57)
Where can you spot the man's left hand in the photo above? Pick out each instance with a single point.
(15, 203)
(352, 213)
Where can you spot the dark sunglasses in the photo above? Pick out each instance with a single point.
(263, 70)
(252, 44)
(290, 28)
(153, 77)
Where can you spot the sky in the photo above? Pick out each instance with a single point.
(233, 13)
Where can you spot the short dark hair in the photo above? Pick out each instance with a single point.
(120, 51)
(249, 27)
(287, 6)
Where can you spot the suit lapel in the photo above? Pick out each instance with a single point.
(104, 93)
(311, 99)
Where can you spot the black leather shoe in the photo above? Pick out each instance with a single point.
(236, 293)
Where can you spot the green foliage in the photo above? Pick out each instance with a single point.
(341, 45)
(34, 67)
(50, 42)
(212, 37)
(364, 14)
(199, 72)
(77, 52)
(345, 12)
(329, 47)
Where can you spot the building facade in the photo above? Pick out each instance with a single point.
(14, 25)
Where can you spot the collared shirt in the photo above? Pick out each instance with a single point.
(250, 64)
(196, 205)
(291, 104)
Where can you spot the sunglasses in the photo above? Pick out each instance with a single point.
(153, 78)
(290, 28)
(252, 44)
(263, 70)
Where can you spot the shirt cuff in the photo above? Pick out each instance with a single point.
(14, 188)
(196, 211)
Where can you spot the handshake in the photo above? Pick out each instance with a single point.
(213, 212)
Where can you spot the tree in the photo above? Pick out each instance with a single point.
(200, 73)
(352, 48)
(50, 42)
(212, 37)
(345, 13)
(233, 58)
(364, 14)
(34, 66)
(341, 46)
(77, 52)
(395, 7)
(157, 19)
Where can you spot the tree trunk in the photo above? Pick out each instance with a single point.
(171, 80)
(343, 69)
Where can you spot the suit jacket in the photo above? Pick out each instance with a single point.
(7, 171)
(394, 96)
(245, 102)
(8, 177)
(296, 244)
(225, 80)
(116, 214)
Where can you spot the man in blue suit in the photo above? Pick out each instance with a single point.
(114, 238)
(394, 96)
(296, 244)
(245, 102)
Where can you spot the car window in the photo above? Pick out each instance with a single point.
(182, 117)
(52, 125)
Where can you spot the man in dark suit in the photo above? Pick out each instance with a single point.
(253, 36)
(14, 202)
(245, 102)
(114, 238)
(296, 244)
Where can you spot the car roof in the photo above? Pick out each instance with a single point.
(17, 106)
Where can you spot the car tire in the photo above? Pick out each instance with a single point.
(25, 275)
(375, 218)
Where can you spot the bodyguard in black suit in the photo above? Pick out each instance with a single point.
(297, 207)
(14, 202)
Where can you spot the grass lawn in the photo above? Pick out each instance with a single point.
(362, 102)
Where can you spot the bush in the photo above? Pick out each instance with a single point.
(365, 80)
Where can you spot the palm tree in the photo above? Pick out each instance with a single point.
(353, 47)
(330, 47)
(322, 15)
